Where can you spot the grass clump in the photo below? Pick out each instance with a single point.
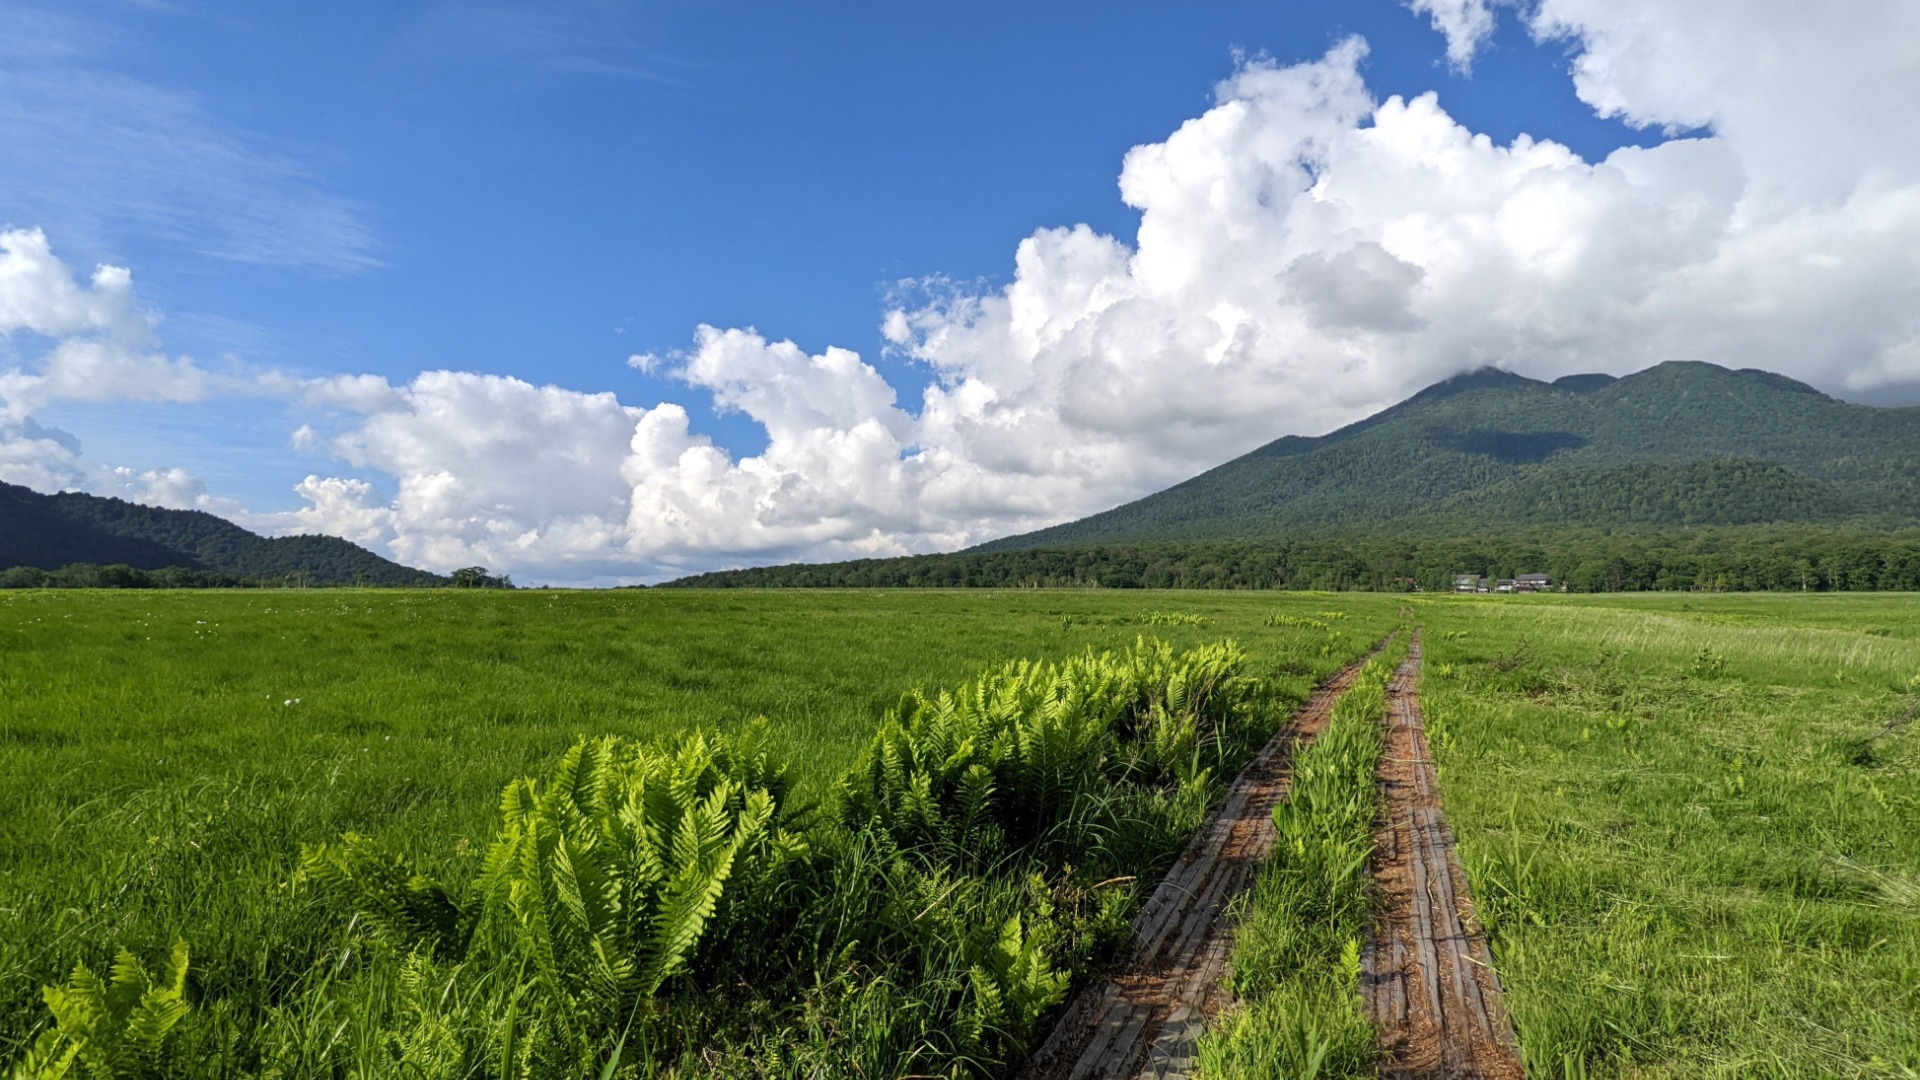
(1170, 618)
(1282, 618)
(1296, 957)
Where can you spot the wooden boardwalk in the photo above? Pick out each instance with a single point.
(1144, 1019)
(1427, 977)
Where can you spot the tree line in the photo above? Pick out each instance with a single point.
(122, 576)
(1744, 559)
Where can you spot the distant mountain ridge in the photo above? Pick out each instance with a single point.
(51, 531)
(1680, 444)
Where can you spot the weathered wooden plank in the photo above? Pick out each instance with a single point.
(1455, 1026)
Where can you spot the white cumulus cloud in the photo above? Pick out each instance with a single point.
(64, 338)
(97, 345)
(1466, 24)
(488, 469)
(39, 457)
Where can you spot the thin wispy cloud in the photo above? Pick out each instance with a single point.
(589, 37)
(93, 152)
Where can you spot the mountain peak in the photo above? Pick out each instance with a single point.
(1584, 384)
(1484, 378)
(1687, 373)
(1681, 442)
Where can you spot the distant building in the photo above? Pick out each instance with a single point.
(1532, 583)
(1525, 583)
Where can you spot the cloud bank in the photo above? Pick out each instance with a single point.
(1306, 254)
(89, 343)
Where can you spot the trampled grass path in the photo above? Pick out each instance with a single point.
(1144, 1019)
(1427, 976)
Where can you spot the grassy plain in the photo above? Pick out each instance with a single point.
(1692, 825)
(164, 755)
(1688, 820)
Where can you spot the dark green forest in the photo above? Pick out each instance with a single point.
(1733, 559)
(122, 576)
(51, 532)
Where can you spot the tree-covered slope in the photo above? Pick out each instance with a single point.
(1676, 444)
(50, 531)
(1716, 491)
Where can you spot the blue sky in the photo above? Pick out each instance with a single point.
(542, 191)
(543, 195)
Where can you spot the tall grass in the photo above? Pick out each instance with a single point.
(165, 756)
(1690, 829)
(1296, 954)
(684, 908)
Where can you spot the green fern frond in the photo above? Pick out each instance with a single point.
(399, 904)
(114, 1028)
(51, 1057)
(705, 858)
(80, 1007)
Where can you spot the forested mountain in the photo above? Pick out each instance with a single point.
(1679, 444)
(1682, 476)
(50, 531)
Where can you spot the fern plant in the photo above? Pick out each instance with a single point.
(118, 1028)
(599, 886)
(606, 876)
(398, 904)
(1005, 759)
(429, 1047)
(1012, 986)
(993, 762)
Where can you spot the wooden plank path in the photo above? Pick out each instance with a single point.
(1144, 1019)
(1427, 977)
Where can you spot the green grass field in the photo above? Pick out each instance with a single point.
(163, 756)
(1685, 818)
(1690, 827)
